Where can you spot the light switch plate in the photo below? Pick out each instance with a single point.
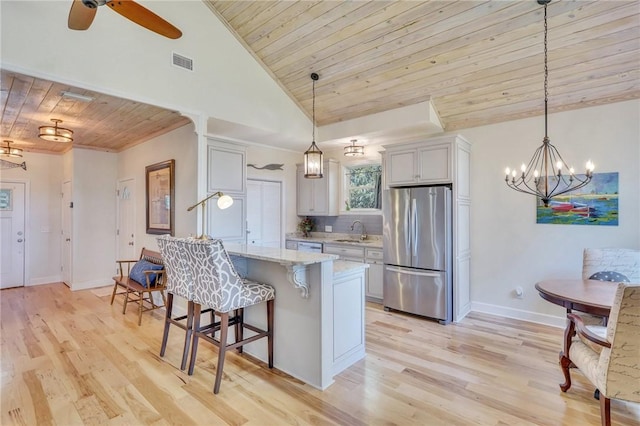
(328, 228)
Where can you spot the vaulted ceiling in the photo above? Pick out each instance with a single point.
(478, 62)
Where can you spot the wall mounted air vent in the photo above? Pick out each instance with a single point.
(182, 62)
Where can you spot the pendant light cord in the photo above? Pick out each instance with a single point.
(313, 109)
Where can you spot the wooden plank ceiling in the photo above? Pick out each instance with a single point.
(479, 62)
(107, 123)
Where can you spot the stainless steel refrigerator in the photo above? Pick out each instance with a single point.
(417, 248)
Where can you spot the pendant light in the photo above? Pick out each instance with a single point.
(353, 150)
(313, 164)
(8, 151)
(543, 176)
(55, 133)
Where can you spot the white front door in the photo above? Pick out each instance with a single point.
(126, 219)
(67, 231)
(12, 234)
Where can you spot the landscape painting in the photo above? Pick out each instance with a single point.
(594, 204)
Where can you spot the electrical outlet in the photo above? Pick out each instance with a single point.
(328, 228)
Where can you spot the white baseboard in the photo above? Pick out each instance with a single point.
(501, 311)
(85, 285)
(44, 280)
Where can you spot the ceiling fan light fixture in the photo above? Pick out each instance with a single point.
(55, 133)
(8, 151)
(353, 150)
(313, 162)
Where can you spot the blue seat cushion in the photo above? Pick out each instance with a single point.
(137, 272)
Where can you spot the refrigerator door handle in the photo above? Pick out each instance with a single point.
(414, 226)
(407, 226)
(409, 272)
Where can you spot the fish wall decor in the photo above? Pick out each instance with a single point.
(4, 164)
(267, 167)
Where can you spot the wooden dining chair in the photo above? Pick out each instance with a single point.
(609, 357)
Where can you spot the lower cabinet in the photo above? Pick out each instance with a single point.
(348, 319)
(373, 275)
(374, 281)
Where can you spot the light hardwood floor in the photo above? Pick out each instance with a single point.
(71, 358)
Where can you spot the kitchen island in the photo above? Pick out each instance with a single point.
(319, 310)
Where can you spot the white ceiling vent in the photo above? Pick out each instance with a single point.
(182, 62)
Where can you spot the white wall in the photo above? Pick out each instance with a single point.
(226, 82)
(261, 156)
(94, 218)
(44, 178)
(182, 146)
(508, 248)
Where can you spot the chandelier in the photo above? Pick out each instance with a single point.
(353, 149)
(313, 166)
(543, 177)
(8, 151)
(55, 133)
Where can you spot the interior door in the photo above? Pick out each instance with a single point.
(264, 213)
(67, 231)
(126, 219)
(12, 234)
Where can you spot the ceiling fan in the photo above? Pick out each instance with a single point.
(83, 11)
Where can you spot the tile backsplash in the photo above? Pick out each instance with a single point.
(342, 224)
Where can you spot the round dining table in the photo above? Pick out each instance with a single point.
(589, 296)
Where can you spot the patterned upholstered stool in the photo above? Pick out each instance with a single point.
(179, 282)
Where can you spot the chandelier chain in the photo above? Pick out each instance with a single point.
(546, 73)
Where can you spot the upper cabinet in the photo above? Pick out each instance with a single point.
(226, 172)
(418, 164)
(226, 167)
(319, 197)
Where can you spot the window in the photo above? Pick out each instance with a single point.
(362, 187)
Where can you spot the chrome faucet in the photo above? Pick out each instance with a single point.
(363, 235)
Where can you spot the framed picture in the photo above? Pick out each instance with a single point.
(160, 197)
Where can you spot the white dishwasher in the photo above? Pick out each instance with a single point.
(310, 247)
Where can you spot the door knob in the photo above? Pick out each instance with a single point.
(19, 240)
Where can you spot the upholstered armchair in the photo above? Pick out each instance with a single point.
(608, 356)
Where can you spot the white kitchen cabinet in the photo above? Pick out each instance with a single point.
(318, 197)
(226, 172)
(226, 167)
(372, 256)
(440, 160)
(374, 274)
(348, 318)
(418, 164)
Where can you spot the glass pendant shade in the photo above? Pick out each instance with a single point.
(313, 163)
(353, 150)
(55, 133)
(8, 151)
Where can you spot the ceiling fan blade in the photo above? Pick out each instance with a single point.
(80, 16)
(143, 16)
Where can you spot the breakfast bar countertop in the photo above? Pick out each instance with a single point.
(282, 256)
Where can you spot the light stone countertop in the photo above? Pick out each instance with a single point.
(282, 256)
(372, 241)
(343, 266)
